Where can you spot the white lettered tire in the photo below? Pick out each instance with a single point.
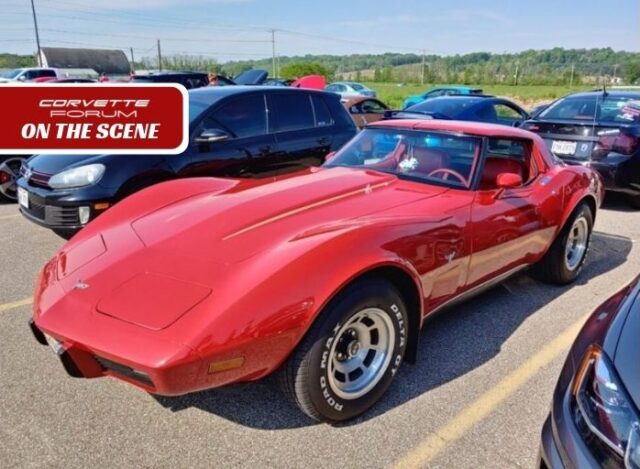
(349, 357)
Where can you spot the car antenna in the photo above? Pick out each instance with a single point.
(595, 110)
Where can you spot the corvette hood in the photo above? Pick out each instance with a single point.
(234, 226)
(153, 268)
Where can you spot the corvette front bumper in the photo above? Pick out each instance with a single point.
(80, 363)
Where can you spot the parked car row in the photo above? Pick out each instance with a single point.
(318, 252)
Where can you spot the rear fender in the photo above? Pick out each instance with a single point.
(585, 187)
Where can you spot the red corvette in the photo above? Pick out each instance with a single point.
(325, 275)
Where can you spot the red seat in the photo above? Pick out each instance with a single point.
(429, 160)
(495, 165)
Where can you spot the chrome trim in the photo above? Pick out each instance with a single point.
(465, 295)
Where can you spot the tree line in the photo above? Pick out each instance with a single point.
(535, 67)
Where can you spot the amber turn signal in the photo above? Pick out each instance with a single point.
(217, 367)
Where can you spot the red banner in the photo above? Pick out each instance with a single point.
(94, 118)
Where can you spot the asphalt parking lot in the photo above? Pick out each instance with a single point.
(477, 397)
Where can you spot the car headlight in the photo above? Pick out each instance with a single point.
(77, 177)
(604, 413)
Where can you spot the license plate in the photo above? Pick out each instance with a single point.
(560, 147)
(23, 197)
(56, 345)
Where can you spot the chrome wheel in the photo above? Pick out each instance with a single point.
(360, 353)
(576, 243)
(9, 173)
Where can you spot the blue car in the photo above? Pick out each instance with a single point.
(479, 108)
(446, 90)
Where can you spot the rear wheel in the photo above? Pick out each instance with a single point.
(350, 356)
(565, 259)
(9, 174)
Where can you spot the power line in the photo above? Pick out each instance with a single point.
(176, 39)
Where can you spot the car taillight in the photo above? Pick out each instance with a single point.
(619, 143)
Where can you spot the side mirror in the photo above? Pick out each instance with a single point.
(211, 136)
(508, 180)
(329, 157)
(22, 78)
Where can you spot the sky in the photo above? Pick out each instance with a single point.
(241, 29)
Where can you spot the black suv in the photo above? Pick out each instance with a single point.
(235, 131)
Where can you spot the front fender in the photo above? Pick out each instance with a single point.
(276, 297)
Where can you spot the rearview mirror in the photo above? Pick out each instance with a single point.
(508, 180)
(212, 135)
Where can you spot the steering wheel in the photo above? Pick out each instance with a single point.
(446, 172)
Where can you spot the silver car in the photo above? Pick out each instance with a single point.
(350, 89)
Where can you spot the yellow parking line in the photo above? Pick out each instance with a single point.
(6, 217)
(478, 410)
(15, 304)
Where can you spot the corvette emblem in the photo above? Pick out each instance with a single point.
(80, 285)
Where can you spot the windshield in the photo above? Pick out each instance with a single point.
(11, 73)
(623, 109)
(449, 107)
(421, 155)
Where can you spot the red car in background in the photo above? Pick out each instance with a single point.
(326, 275)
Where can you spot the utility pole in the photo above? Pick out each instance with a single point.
(273, 52)
(132, 59)
(515, 77)
(159, 57)
(573, 69)
(35, 25)
(423, 65)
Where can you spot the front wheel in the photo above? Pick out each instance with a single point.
(350, 356)
(567, 255)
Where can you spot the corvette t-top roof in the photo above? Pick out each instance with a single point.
(472, 128)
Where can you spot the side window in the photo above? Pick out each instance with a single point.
(507, 114)
(321, 111)
(293, 110)
(434, 93)
(244, 117)
(331, 88)
(373, 107)
(507, 156)
(486, 113)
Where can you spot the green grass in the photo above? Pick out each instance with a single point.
(525, 95)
